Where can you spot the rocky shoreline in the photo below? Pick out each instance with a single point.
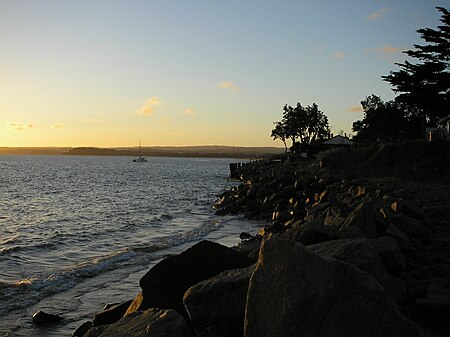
(339, 256)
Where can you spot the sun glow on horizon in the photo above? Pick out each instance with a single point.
(221, 78)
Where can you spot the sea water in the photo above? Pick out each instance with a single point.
(78, 232)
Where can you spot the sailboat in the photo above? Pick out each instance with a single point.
(139, 158)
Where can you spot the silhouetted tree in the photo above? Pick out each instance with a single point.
(425, 85)
(386, 121)
(280, 133)
(305, 124)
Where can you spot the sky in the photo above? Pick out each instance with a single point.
(111, 73)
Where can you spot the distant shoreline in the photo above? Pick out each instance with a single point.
(159, 151)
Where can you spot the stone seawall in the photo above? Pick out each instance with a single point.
(337, 256)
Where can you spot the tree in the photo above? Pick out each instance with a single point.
(391, 121)
(279, 132)
(306, 124)
(426, 85)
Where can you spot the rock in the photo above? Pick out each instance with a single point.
(406, 224)
(250, 248)
(137, 304)
(411, 210)
(41, 317)
(390, 254)
(216, 306)
(112, 314)
(294, 292)
(148, 323)
(395, 287)
(363, 217)
(311, 232)
(436, 301)
(164, 285)
(82, 329)
(359, 252)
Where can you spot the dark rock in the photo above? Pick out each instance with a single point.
(363, 217)
(395, 287)
(216, 306)
(112, 314)
(312, 232)
(41, 317)
(163, 285)
(296, 293)
(389, 252)
(359, 252)
(250, 248)
(407, 224)
(82, 329)
(148, 323)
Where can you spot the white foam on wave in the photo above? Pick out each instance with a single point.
(173, 240)
(29, 291)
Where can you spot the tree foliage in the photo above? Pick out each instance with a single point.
(386, 121)
(301, 125)
(426, 84)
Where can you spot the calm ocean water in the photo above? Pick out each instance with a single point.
(79, 232)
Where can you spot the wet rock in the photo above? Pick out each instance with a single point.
(148, 323)
(41, 317)
(164, 285)
(112, 314)
(82, 329)
(216, 306)
(314, 296)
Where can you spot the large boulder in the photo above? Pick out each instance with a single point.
(148, 323)
(359, 252)
(111, 314)
(216, 306)
(164, 285)
(294, 292)
(311, 232)
(389, 251)
(363, 217)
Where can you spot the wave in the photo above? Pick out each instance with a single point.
(31, 290)
(174, 240)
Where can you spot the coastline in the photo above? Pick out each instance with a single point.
(338, 247)
(156, 151)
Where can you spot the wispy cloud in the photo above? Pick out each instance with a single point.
(89, 121)
(338, 55)
(377, 15)
(149, 106)
(189, 112)
(385, 50)
(228, 86)
(57, 126)
(355, 108)
(18, 126)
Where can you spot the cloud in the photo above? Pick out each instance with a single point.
(20, 126)
(385, 50)
(148, 107)
(355, 108)
(189, 112)
(57, 126)
(228, 86)
(89, 121)
(338, 55)
(376, 15)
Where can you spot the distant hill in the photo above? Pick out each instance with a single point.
(160, 151)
